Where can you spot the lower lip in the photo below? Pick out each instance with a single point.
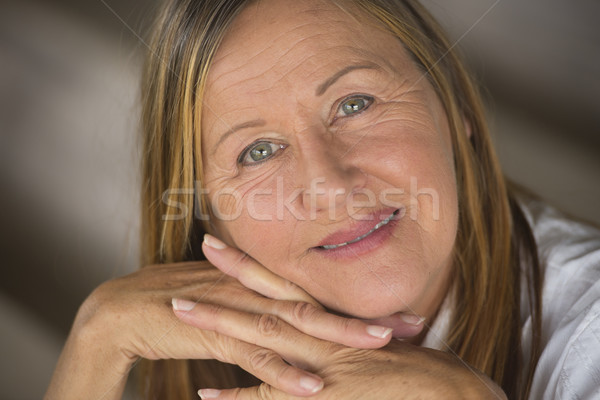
(366, 245)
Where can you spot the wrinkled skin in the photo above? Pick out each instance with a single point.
(269, 71)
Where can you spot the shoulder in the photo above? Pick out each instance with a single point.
(569, 367)
(569, 253)
(561, 239)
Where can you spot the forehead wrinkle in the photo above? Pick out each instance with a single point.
(355, 55)
(259, 75)
(240, 68)
(281, 59)
(314, 36)
(253, 22)
(273, 40)
(299, 42)
(271, 66)
(288, 50)
(235, 85)
(293, 70)
(232, 86)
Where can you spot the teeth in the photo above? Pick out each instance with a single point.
(379, 225)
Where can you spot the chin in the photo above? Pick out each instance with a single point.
(375, 301)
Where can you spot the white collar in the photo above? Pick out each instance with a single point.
(439, 329)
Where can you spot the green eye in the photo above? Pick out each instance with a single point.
(258, 152)
(355, 105)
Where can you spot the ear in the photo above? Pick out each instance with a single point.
(468, 127)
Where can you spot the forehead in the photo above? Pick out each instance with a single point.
(281, 50)
(276, 38)
(278, 28)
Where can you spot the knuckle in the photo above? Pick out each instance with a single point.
(100, 304)
(260, 359)
(347, 324)
(237, 394)
(223, 348)
(215, 310)
(100, 294)
(265, 392)
(291, 287)
(245, 260)
(268, 325)
(299, 294)
(303, 312)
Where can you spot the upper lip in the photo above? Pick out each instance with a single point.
(359, 228)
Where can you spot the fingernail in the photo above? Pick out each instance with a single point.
(209, 393)
(310, 384)
(380, 332)
(412, 319)
(213, 242)
(182, 305)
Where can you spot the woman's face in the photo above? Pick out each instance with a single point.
(316, 128)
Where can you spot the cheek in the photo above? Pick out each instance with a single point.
(412, 162)
(232, 198)
(258, 217)
(412, 272)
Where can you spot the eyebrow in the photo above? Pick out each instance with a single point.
(322, 88)
(243, 125)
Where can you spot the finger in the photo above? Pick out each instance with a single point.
(404, 325)
(323, 325)
(250, 273)
(307, 316)
(262, 392)
(261, 362)
(263, 330)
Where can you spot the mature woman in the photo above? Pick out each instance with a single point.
(319, 183)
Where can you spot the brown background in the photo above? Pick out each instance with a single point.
(69, 75)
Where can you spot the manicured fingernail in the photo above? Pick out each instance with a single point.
(182, 305)
(209, 393)
(213, 242)
(310, 384)
(380, 332)
(412, 319)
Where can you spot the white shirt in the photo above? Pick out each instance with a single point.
(569, 253)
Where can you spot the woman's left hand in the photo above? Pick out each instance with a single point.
(400, 370)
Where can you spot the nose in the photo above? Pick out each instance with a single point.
(328, 177)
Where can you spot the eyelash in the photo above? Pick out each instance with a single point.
(244, 154)
(242, 157)
(369, 100)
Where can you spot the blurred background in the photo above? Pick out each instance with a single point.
(69, 116)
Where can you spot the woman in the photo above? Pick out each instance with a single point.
(336, 156)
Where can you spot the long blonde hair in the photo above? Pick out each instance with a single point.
(493, 239)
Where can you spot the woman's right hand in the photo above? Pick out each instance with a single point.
(132, 317)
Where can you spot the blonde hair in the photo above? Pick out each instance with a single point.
(493, 238)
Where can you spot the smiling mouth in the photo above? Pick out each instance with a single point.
(361, 237)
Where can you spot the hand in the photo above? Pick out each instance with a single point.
(399, 370)
(294, 306)
(131, 317)
(258, 278)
